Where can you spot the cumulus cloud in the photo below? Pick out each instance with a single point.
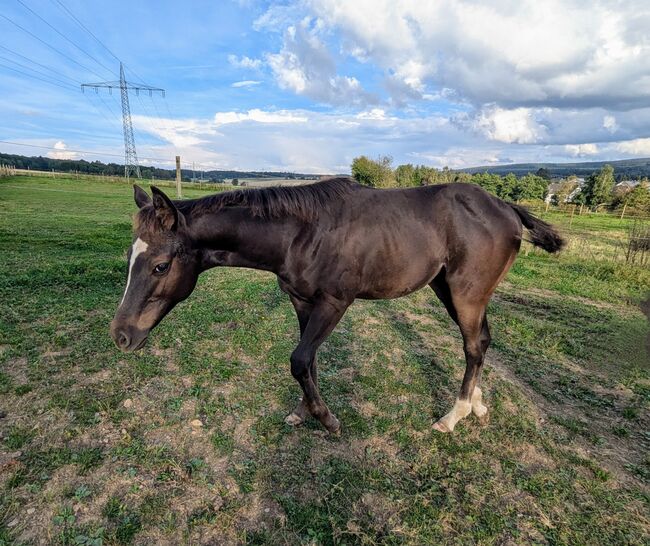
(558, 53)
(259, 116)
(305, 66)
(581, 150)
(636, 147)
(457, 83)
(324, 141)
(373, 113)
(182, 133)
(61, 151)
(516, 125)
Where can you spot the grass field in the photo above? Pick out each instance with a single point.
(184, 443)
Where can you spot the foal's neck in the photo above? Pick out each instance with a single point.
(234, 237)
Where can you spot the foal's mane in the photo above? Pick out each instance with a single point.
(303, 202)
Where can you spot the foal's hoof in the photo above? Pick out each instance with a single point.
(293, 420)
(441, 427)
(481, 413)
(333, 426)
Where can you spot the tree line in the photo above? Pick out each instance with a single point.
(598, 190)
(40, 163)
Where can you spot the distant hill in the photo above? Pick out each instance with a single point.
(40, 163)
(624, 168)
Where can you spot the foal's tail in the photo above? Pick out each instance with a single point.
(542, 234)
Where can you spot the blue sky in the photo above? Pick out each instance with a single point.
(307, 85)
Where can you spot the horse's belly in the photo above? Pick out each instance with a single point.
(396, 282)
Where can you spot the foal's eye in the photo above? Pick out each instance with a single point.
(161, 268)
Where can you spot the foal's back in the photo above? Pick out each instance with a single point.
(380, 244)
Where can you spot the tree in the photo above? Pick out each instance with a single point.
(598, 187)
(377, 174)
(639, 197)
(489, 182)
(427, 176)
(405, 176)
(530, 187)
(507, 187)
(544, 173)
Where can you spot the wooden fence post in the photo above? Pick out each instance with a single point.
(178, 176)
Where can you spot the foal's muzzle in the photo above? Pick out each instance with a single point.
(128, 338)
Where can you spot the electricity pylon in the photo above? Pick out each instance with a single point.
(131, 164)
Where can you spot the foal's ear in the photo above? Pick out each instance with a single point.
(140, 196)
(166, 212)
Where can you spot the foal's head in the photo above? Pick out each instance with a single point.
(163, 269)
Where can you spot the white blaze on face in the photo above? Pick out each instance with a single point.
(138, 248)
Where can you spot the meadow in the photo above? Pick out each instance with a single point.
(185, 442)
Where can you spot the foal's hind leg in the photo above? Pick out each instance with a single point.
(470, 319)
(478, 408)
(441, 288)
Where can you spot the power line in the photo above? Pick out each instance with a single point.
(62, 6)
(110, 109)
(66, 86)
(48, 45)
(86, 28)
(76, 19)
(99, 111)
(155, 121)
(34, 70)
(64, 36)
(107, 154)
(30, 132)
(131, 164)
(38, 64)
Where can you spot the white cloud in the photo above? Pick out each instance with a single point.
(277, 17)
(636, 147)
(305, 66)
(61, 151)
(258, 116)
(517, 125)
(373, 113)
(581, 150)
(326, 142)
(245, 62)
(459, 158)
(245, 83)
(181, 133)
(525, 53)
(609, 123)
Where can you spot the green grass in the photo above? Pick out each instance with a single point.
(562, 461)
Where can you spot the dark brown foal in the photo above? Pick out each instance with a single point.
(330, 243)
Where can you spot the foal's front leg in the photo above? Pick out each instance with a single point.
(303, 312)
(324, 316)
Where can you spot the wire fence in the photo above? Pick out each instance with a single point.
(163, 183)
(603, 235)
